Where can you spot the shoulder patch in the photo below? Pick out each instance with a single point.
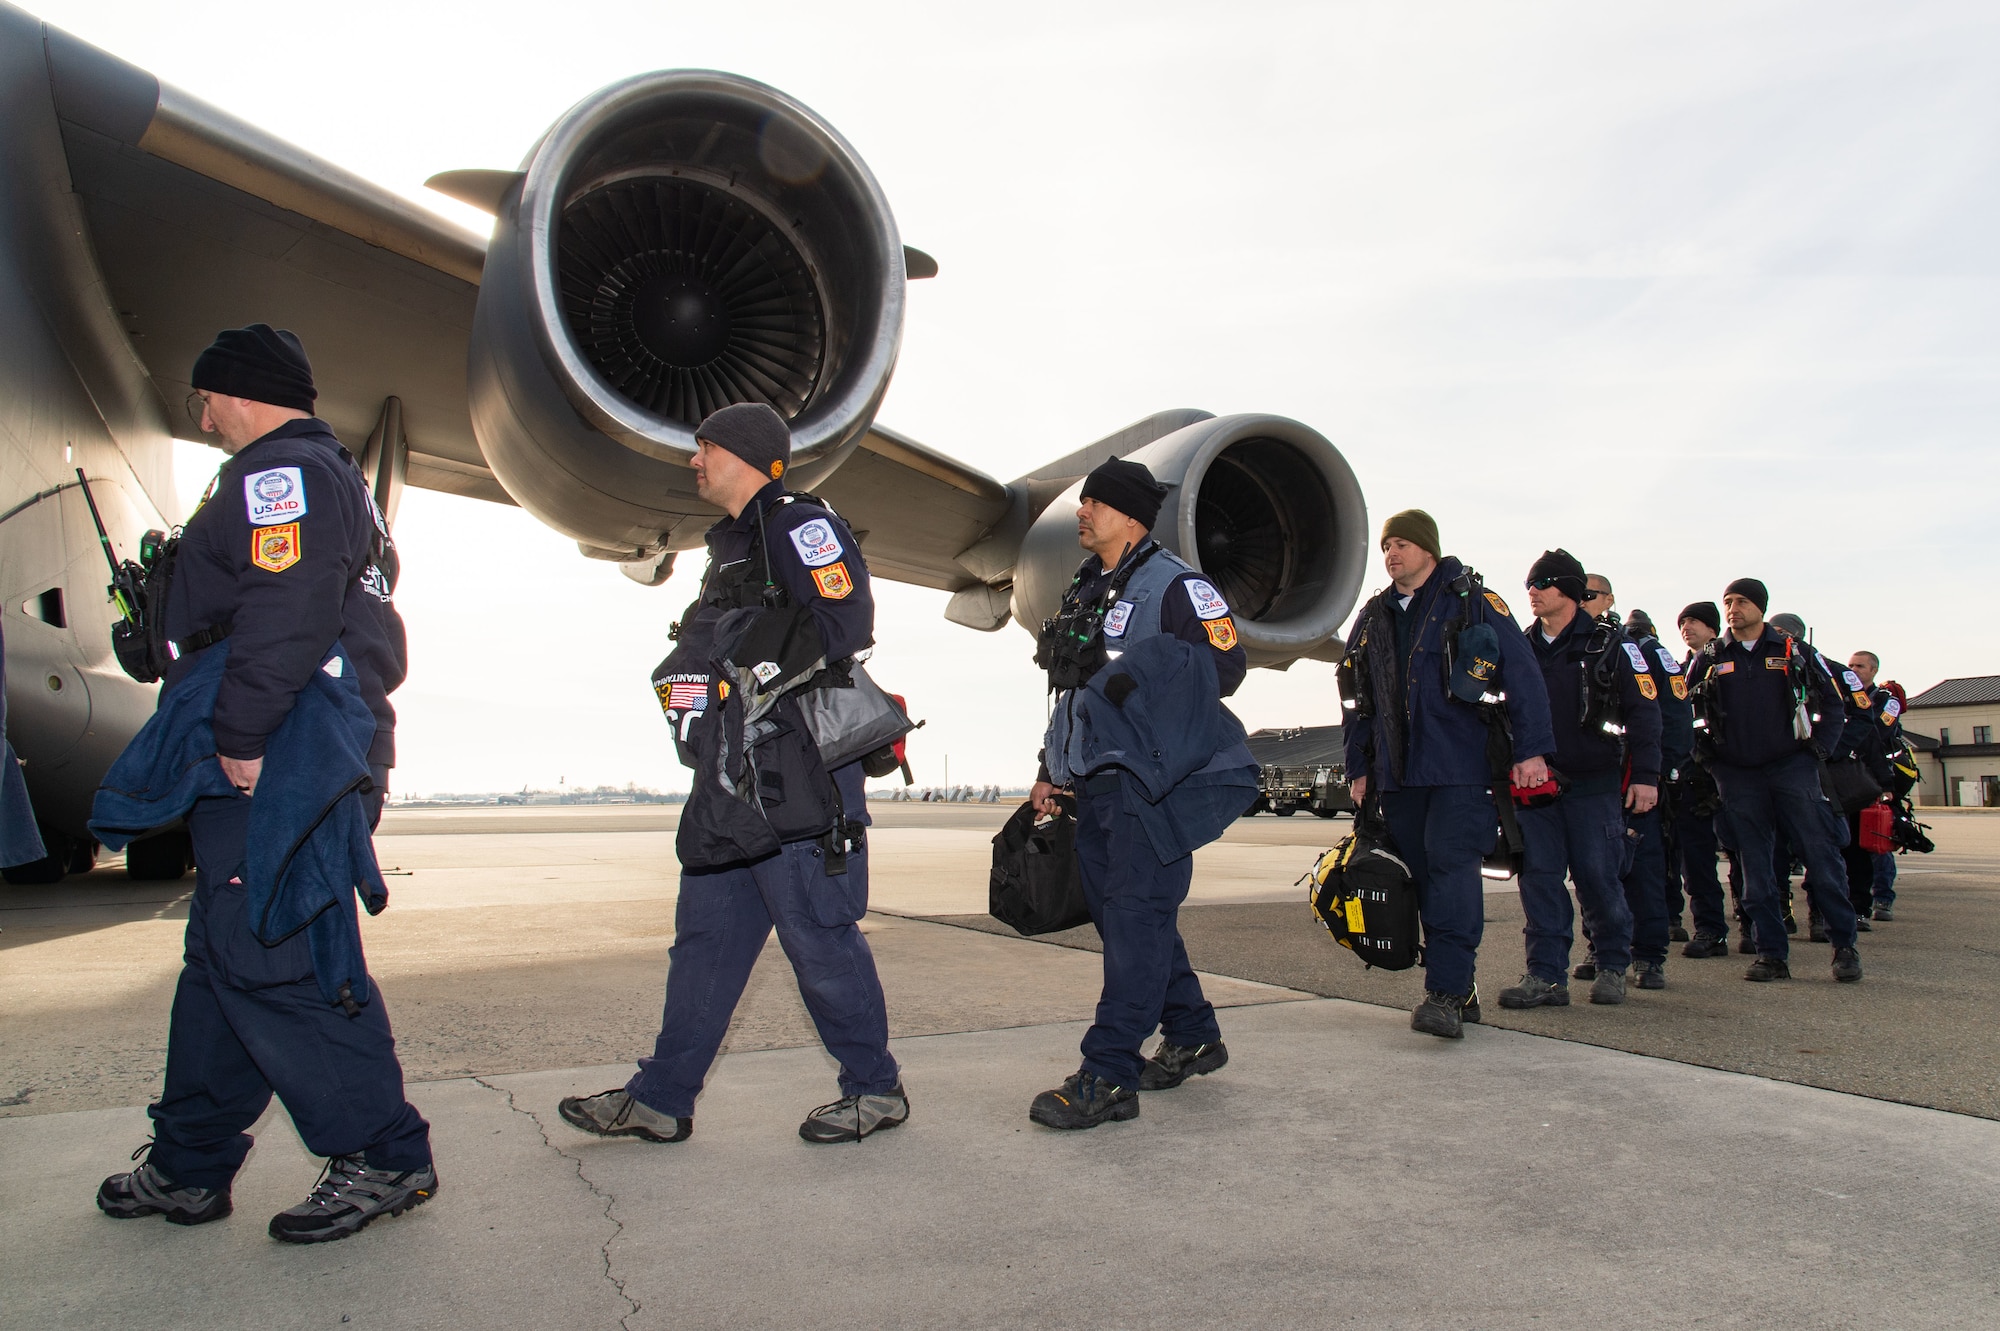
(1221, 633)
(1860, 700)
(275, 549)
(1115, 622)
(1673, 667)
(274, 496)
(1638, 659)
(1853, 680)
(1891, 709)
(817, 543)
(1647, 689)
(1493, 599)
(834, 583)
(1679, 685)
(1208, 603)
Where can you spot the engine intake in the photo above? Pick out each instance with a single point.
(678, 242)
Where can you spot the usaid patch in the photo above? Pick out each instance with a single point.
(1115, 622)
(275, 496)
(1891, 709)
(1853, 681)
(1208, 603)
(816, 543)
(1638, 659)
(1667, 660)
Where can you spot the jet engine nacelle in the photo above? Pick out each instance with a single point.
(1265, 507)
(675, 243)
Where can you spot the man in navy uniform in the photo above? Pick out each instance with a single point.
(1128, 590)
(793, 859)
(1426, 753)
(1696, 809)
(285, 556)
(1604, 710)
(1772, 714)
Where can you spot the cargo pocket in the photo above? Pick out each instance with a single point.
(1626, 854)
(836, 900)
(235, 953)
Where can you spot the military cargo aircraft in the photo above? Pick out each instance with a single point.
(676, 242)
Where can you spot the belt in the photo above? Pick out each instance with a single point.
(194, 642)
(1103, 783)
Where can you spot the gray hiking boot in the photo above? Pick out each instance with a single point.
(146, 1191)
(1171, 1064)
(348, 1196)
(1649, 974)
(615, 1113)
(1442, 1015)
(853, 1117)
(1609, 987)
(1534, 991)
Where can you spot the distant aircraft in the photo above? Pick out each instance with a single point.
(677, 241)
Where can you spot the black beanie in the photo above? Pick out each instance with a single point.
(1750, 590)
(1561, 567)
(1641, 623)
(1129, 488)
(262, 363)
(1703, 611)
(752, 431)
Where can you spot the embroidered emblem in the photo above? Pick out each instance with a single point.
(1774, 663)
(833, 583)
(765, 671)
(1221, 633)
(1638, 658)
(1493, 599)
(1891, 710)
(1725, 667)
(1208, 603)
(275, 549)
(1679, 685)
(274, 496)
(777, 468)
(816, 543)
(1667, 660)
(1120, 616)
(1647, 689)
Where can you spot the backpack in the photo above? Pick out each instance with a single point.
(1037, 885)
(1364, 895)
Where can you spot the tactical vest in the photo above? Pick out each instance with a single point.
(1135, 615)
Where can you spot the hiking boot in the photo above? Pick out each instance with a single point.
(348, 1196)
(1768, 968)
(1533, 991)
(1745, 944)
(1084, 1100)
(1585, 969)
(1884, 913)
(1792, 921)
(1172, 1064)
(852, 1117)
(1815, 930)
(1701, 945)
(1846, 965)
(1861, 924)
(1649, 974)
(1469, 1014)
(615, 1113)
(146, 1191)
(1442, 1015)
(1676, 934)
(1610, 987)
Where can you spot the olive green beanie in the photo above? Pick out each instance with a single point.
(1415, 526)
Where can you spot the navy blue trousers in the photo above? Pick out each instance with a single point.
(1885, 879)
(1693, 848)
(1646, 888)
(250, 1021)
(721, 922)
(1784, 798)
(1135, 902)
(1581, 837)
(1442, 833)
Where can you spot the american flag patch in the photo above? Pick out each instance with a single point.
(682, 693)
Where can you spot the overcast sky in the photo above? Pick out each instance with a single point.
(1693, 290)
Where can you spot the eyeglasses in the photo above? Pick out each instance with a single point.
(197, 407)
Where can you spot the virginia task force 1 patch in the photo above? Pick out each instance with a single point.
(1679, 685)
(833, 583)
(274, 496)
(1221, 633)
(275, 549)
(1647, 689)
(1493, 599)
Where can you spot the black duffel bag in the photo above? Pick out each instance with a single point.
(1363, 893)
(1849, 785)
(1037, 885)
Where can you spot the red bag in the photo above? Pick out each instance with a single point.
(1877, 823)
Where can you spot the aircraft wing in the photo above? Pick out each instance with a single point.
(915, 509)
(201, 221)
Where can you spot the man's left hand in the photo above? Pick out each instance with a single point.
(242, 772)
(1641, 799)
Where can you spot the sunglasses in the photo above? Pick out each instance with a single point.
(1595, 596)
(1540, 584)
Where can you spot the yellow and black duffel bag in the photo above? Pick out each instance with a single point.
(1364, 895)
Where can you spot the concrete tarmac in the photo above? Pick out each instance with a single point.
(1339, 1171)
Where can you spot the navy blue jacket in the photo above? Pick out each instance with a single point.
(1443, 740)
(1592, 761)
(309, 844)
(1751, 712)
(283, 551)
(1676, 712)
(1860, 732)
(813, 556)
(1178, 617)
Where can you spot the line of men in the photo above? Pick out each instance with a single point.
(1601, 760)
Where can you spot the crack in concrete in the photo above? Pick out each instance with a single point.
(618, 1226)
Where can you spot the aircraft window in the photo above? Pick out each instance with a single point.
(55, 683)
(48, 607)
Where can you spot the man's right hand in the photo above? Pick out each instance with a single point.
(1534, 772)
(1357, 789)
(1043, 798)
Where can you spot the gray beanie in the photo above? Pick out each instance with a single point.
(753, 432)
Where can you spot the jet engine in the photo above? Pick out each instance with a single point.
(1266, 508)
(677, 242)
